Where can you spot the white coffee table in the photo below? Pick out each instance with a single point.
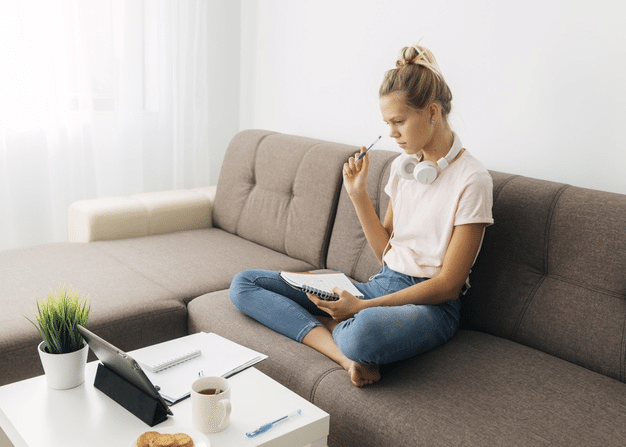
(85, 416)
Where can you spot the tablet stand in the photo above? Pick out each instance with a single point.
(137, 401)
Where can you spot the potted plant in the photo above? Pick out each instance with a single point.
(63, 351)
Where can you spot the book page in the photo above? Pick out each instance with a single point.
(165, 355)
(322, 281)
(220, 357)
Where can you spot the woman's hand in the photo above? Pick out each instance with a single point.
(347, 306)
(355, 174)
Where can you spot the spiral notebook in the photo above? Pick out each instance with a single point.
(219, 357)
(321, 284)
(167, 355)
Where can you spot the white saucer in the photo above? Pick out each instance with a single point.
(199, 439)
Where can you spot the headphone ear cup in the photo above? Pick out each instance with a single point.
(407, 167)
(425, 172)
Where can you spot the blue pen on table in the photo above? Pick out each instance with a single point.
(367, 150)
(265, 427)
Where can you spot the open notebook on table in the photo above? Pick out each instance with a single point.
(217, 356)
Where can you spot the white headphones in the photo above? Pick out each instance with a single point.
(426, 172)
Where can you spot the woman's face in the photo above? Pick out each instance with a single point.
(411, 128)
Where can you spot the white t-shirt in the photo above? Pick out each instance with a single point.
(425, 215)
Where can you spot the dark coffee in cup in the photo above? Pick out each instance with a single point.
(210, 391)
(210, 404)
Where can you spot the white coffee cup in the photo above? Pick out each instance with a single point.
(210, 404)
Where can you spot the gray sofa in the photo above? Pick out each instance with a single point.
(540, 358)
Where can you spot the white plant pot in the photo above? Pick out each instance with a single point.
(64, 371)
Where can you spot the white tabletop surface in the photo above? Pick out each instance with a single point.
(84, 416)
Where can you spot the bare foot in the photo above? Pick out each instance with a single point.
(321, 339)
(362, 375)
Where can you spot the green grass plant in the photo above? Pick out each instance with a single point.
(57, 317)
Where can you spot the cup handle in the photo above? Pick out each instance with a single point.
(225, 408)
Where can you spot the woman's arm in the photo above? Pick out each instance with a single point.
(446, 286)
(355, 182)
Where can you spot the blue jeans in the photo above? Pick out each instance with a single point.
(375, 335)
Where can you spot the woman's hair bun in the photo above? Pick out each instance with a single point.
(417, 55)
(418, 77)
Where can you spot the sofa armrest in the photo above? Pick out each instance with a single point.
(140, 215)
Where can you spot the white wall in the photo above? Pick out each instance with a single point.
(539, 86)
(224, 85)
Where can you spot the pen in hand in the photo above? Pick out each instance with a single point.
(367, 150)
(265, 427)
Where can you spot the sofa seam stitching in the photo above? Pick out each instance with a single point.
(319, 381)
(154, 313)
(378, 198)
(133, 269)
(549, 225)
(157, 313)
(293, 194)
(582, 286)
(322, 261)
(502, 185)
(496, 195)
(358, 258)
(546, 261)
(623, 352)
(256, 151)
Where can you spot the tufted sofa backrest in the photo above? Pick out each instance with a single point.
(552, 272)
(281, 191)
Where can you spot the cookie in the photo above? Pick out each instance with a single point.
(144, 439)
(156, 439)
(163, 440)
(183, 440)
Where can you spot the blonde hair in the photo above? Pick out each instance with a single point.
(417, 75)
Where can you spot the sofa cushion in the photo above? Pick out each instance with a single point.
(127, 308)
(551, 272)
(293, 364)
(349, 251)
(192, 263)
(280, 191)
(476, 390)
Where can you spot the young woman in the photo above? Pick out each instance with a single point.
(440, 203)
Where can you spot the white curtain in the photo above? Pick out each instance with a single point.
(98, 98)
